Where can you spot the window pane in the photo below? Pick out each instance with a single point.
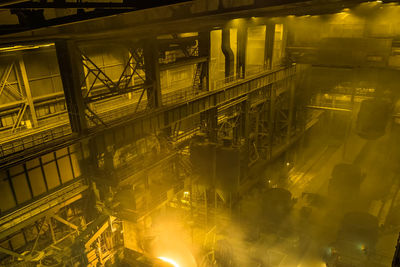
(65, 169)
(50, 171)
(21, 188)
(6, 200)
(48, 157)
(75, 165)
(37, 181)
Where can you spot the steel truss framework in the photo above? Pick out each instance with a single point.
(158, 120)
(56, 236)
(52, 232)
(18, 92)
(99, 87)
(110, 88)
(224, 96)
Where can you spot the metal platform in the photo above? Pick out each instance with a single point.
(46, 205)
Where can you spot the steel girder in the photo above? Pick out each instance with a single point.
(144, 123)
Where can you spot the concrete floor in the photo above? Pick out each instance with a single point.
(377, 192)
(307, 238)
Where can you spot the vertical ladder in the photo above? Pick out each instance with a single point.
(197, 77)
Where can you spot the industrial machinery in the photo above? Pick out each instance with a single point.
(266, 210)
(222, 255)
(345, 182)
(186, 131)
(276, 203)
(372, 118)
(355, 242)
(217, 165)
(132, 258)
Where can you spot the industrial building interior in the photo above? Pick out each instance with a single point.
(200, 133)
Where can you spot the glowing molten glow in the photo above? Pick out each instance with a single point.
(169, 261)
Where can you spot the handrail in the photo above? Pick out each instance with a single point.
(45, 203)
(170, 100)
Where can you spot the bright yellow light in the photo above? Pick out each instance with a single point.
(169, 261)
(23, 47)
(188, 34)
(186, 193)
(236, 22)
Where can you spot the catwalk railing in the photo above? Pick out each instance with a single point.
(224, 90)
(32, 211)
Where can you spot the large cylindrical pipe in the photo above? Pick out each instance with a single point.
(228, 53)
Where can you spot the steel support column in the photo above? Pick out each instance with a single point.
(228, 53)
(292, 87)
(269, 45)
(204, 51)
(271, 122)
(241, 51)
(71, 71)
(209, 119)
(245, 119)
(284, 40)
(244, 135)
(152, 70)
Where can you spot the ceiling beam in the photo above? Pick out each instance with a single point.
(12, 2)
(173, 21)
(23, 4)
